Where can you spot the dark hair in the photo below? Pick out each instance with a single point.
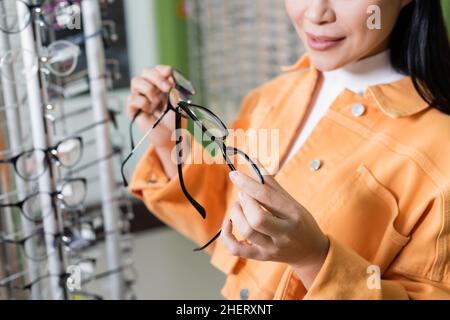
(420, 48)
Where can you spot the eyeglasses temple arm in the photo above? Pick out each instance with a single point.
(130, 128)
(122, 169)
(209, 242)
(6, 161)
(133, 146)
(197, 206)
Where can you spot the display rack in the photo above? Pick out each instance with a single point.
(96, 67)
(65, 280)
(15, 140)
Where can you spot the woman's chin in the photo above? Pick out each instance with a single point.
(326, 61)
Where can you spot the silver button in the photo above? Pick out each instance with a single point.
(358, 110)
(315, 165)
(244, 294)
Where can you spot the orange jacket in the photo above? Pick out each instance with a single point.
(381, 194)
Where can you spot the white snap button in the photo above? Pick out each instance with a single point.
(315, 165)
(358, 110)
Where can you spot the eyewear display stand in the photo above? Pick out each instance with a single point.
(39, 136)
(96, 67)
(40, 141)
(49, 199)
(15, 137)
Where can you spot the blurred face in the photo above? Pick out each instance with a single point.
(338, 32)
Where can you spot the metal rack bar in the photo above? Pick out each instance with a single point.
(15, 139)
(96, 67)
(35, 105)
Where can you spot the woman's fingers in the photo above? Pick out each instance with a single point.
(157, 79)
(154, 84)
(260, 219)
(140, 85)
(165, 71)
(246, 229)
(137, 102)
(270, 197)
(237, 248)
(270, 180)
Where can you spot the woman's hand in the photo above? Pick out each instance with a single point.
(275, 228)
(149, 93)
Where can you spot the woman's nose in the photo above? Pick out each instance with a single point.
(320, 12)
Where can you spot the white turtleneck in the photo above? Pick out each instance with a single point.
(356, 77)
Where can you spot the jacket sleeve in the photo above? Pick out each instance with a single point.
(207, 183)
(420, 271)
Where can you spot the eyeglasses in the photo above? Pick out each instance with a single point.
(31, 164)
(93, 215)
(72, 194)
(60, 59)
(211, 127)
(54, 14)
(19, 282)
(34, 244)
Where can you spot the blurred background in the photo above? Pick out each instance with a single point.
(227, 48)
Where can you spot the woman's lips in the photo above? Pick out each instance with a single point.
(322, 43)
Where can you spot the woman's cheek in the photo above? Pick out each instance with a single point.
(362, 38)
(296, 10)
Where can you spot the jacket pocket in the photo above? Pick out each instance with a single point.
(362, 215)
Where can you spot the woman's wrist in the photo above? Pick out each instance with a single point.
(307, 271)
(165, 157)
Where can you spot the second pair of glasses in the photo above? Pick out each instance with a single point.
(56, 14)
(32, 164)
(60, 59)
(71, 194)
(35, 244)
(20, 283)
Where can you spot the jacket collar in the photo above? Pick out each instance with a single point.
(397, 99)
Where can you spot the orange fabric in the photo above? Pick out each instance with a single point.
(382, 194)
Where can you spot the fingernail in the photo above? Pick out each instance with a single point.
(166, 86)
(234, 175)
